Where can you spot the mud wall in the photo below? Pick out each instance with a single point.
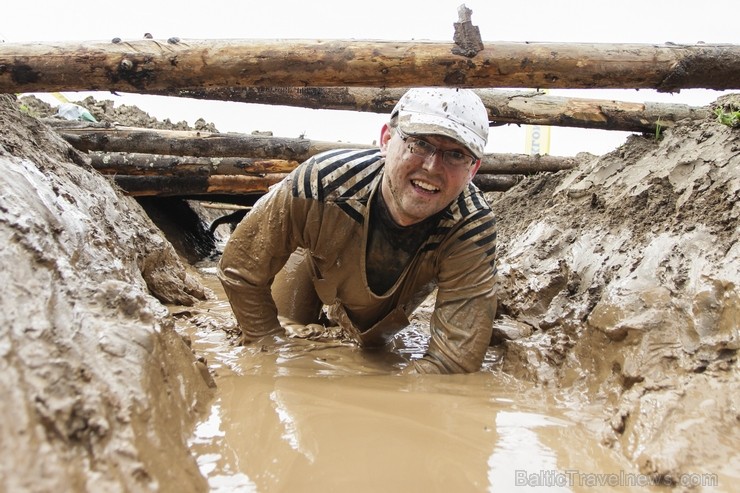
(100, 393)
(626, 272)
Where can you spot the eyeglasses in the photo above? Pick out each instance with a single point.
(423, 149)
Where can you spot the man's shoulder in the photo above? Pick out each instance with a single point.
(337, 174)
(470, 205)
(470, 219)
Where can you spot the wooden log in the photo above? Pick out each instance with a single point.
(195, 143)
(142, 186)
(524, 164)
(153, 164)
(366, 99)
(517, 107)
(274, 154)
(157, 165)
(493, 183)
(224, 207)
(164, 186)
(538, 108)
(148, 65)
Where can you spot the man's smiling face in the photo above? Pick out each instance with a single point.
(415, 188)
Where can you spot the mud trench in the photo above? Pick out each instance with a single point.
(618, 298)
(300, 415)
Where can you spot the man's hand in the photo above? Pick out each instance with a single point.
(314, 332)
(248, 337)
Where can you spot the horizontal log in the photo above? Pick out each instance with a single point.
(147, 65)
(142, 186)
(515, 107)
(538, 108)
(224, 207)
(194, 143)
(155, 164)
(158, 165)
(524, 164)
(365, 99)
(164, 186)
(496, 183)
(158, 150)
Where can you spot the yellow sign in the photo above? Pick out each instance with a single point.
(538, 140)
(60, 97)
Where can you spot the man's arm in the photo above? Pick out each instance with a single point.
(460, 335)
(462, 321)
(256, 251)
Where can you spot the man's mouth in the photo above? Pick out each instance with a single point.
(426, 187)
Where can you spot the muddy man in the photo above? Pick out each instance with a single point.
(359, 238)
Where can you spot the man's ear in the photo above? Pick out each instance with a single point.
(385, 137)
(474, 168)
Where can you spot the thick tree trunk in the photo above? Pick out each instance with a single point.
(148, 65)
(518, 107)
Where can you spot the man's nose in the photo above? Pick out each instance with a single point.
(434, 161)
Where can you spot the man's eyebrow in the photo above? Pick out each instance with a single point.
(454, 145)
(442, 140)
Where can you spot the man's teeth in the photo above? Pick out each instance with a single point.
(425, 186)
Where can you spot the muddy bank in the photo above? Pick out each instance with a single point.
(626, 272)
(100, 391)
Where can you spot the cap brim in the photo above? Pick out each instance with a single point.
(412, 123)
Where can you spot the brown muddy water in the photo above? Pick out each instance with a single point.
(298, 415)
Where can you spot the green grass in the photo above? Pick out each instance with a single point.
(658, 129)
(729, 117)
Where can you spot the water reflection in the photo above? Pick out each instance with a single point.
(213, 457)
(519, 451)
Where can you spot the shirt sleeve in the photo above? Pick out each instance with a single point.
(462, 321)
(256, 251)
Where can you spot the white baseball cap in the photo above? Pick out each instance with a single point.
(451, 112)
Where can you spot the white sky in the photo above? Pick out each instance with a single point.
(598, 21)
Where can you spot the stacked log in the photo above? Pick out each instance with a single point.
(337, 74)
(145, 172)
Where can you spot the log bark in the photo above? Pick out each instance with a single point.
(538, 108)
(195, 143)
(203, 186)
(273, 154)
(524, 164)
(148, 65)
(494, 183)
(166, 186)
(135, 164)
(121, 163)
(504, 107)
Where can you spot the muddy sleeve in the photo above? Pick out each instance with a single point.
(256, 251)
(462, 320)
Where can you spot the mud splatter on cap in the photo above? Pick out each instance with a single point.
(451, 112)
